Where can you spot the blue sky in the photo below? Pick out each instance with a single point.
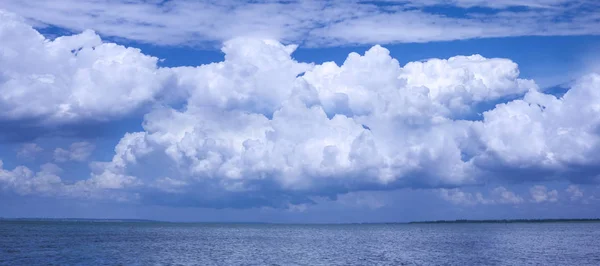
(311, 111)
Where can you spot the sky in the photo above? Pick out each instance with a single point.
(300, 111)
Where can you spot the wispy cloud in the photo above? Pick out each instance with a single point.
(29, 151)
(313, 22)
(78, 151)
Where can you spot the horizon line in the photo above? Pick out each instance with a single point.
(454, 221)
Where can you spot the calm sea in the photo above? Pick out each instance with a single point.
(87, 243)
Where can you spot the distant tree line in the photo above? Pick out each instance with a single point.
(74, 220)
(508, 221)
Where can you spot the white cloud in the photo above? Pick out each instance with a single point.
(72, 77)
(78, 151)
(255, 123)
(459, 197)
(47, 182)
(24, 181)
(574, 192)
(111, 175)
(503, 195)
(540, 194)
(314, 22)
(543, 134)
(498, 195)
(251, 122)
(462, 81)
(29, 151)
(492, 3)
(262, 128)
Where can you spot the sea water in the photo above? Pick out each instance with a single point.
(112, 243)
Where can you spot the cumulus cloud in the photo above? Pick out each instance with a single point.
(70, 78)
(29, 151)
(24, 181)
(313, 22)
(459, 197)
(540, 194)
(543, 135)
(254, 122)
(262, 129)
(498, 195)
(78, 151)
(47, 182)
(262, 125)
(111, 175)
(504, 196)
(575, 193)
(261, 122)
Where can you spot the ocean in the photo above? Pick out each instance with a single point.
(127, 243)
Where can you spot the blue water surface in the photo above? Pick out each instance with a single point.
(111, 243)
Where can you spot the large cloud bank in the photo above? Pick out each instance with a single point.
(261, 129)
(72, 77)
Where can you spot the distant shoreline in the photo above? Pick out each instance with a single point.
(509, 221)
(91, 220)
(461, 221)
